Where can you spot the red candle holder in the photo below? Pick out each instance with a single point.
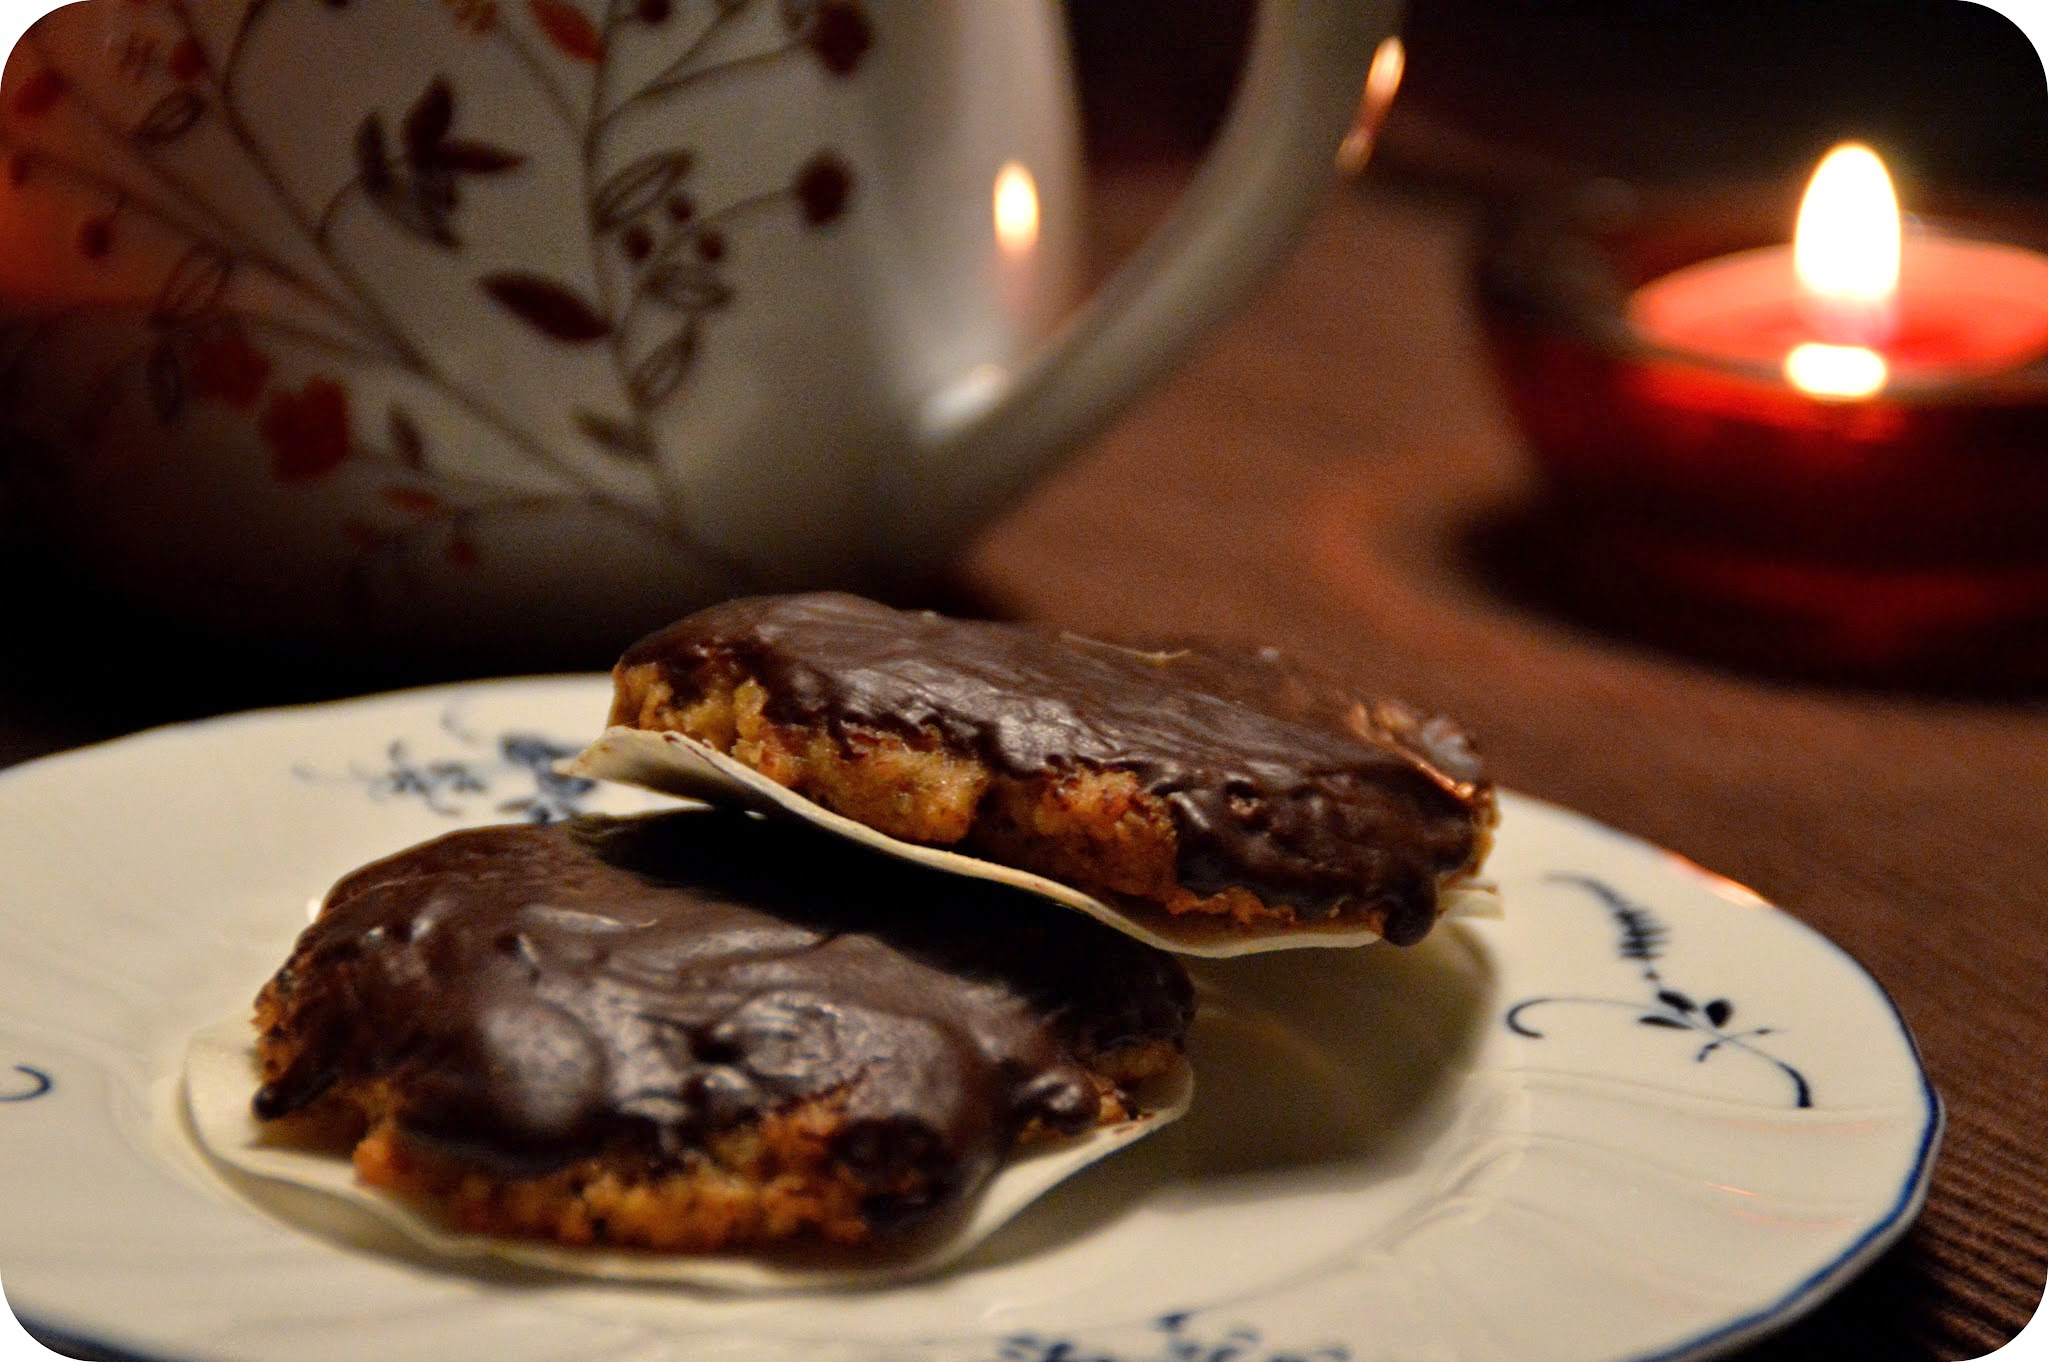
(1708, 504)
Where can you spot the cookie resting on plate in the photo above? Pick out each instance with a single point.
(698, 1031)
(1184, 785)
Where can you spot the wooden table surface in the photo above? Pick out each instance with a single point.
(1312, 478)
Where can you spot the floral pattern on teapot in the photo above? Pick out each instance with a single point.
(207, 283)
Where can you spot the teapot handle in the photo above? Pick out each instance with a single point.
(1234, 224)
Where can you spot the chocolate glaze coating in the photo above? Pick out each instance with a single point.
(538, 994)
(1277, 780)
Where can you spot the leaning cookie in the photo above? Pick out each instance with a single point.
(1209, 802)
(702, 1032)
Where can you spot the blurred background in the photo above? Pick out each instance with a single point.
(1499, 93)
(1508, 103)
(1501, 99)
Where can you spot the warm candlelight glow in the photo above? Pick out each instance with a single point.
(1846, 249)
(1822, 456)
(1016, 206)
(1932, 307)
(1835, 370)
(1382, 80)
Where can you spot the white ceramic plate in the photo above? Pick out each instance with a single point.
(1645, 1115)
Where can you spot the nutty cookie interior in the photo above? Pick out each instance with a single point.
(698, 1031)
(1238, 787)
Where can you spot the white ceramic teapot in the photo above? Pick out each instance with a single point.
(419, 323)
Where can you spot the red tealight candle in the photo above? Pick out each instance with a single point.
(1826, 456)
(1853, 305)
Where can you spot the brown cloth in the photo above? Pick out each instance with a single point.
(1311, 479)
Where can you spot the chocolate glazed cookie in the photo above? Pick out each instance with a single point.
(699, 1030)
(1236, 785)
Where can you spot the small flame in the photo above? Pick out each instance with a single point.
(1846, 249)
(1836, 370)
(1382, 82)
(1016, 206)
(1845, 254)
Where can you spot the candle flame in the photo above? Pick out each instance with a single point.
(1845, 251)
(1016, 208)
(1836, 370)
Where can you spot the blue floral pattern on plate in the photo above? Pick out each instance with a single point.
(1643, 939)
(1178, 1342)
(443, 783)
(37, 1084)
